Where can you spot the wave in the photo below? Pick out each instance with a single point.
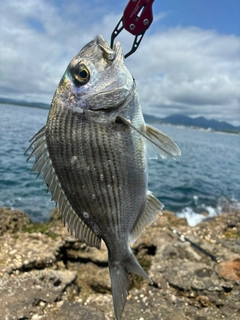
(201, 212)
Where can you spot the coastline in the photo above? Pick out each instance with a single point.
(45, 106)
(47, 274)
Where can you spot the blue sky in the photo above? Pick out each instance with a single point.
(190, 56)
(221, 15)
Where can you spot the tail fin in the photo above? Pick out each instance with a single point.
(120, 283)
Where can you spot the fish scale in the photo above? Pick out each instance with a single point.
(94, 151)
(113, 208)
(93, 156)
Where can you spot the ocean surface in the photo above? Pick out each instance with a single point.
(206, 180)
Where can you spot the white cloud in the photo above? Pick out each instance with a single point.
(178, 70)
(191, 71)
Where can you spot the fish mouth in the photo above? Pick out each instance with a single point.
(111, 94)
(111, 98)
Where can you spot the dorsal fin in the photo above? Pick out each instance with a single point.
(151, 213)
(43, 164)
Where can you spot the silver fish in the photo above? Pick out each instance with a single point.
(93, 156)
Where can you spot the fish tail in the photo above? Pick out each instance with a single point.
(119, 280)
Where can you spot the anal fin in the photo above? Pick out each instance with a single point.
(151, 213)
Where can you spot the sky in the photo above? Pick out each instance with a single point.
(187, 63)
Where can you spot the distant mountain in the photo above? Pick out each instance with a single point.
(149, 118)
(177, 119)
(200, 122)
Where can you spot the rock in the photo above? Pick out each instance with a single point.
(45, 273)
(146, 304)
(94, 277)
(229, 270)
(12, 221)
(78, 251)
(24, 251)
(25, 294)
(74, 311)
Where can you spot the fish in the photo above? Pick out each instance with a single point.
(93, 154)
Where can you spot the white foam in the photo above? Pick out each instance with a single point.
(192, 217)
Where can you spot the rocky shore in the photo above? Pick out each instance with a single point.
(46, 274)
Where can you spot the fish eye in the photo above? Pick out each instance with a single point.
(81, 74)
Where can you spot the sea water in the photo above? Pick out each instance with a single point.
(206, 179)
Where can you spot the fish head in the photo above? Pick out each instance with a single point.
(96, 78)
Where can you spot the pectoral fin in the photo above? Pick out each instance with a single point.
(158, 143)
(151, 213)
